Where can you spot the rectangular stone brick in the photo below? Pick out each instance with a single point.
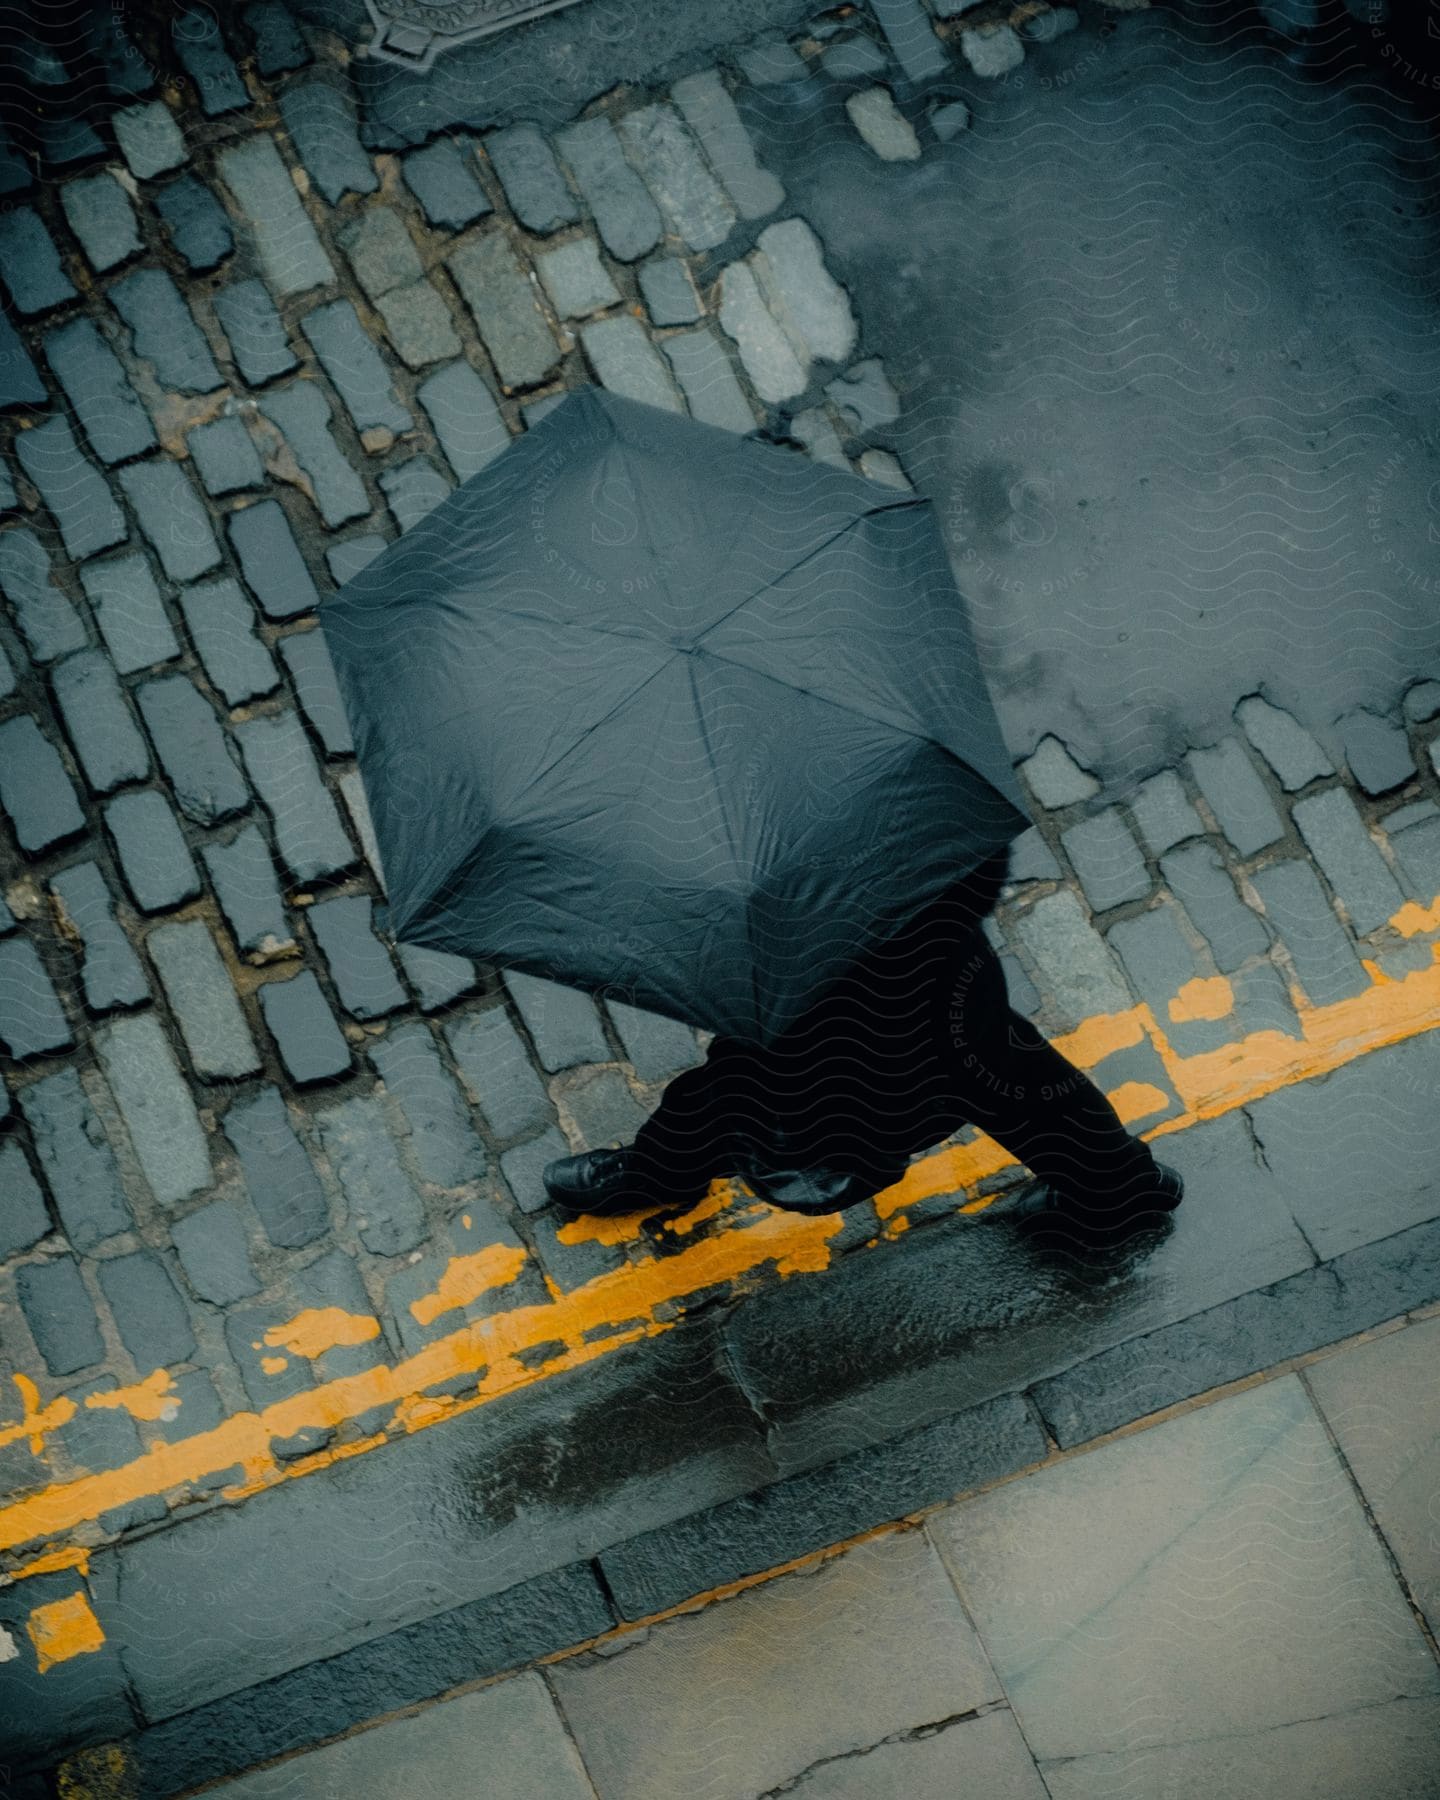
(307, 659)
(76, 1159)
(628, 219)
(193, 750)
(149, 1314)
(536, 190)
(562, 1021)
(575, 278)
(48, 622)
(270, 560)
(202, 52)
(155, 1104)
(222, 626)
(279, 46)
(105, 737)
(35, 791)
(1203, 886)
(32, 1020)
(110, 971)
(23, 1218)
(441, 177)
(1160, 962)
(1076, 968)
(494, 1063)
(692, 203)
(172, 517)
(300, 1021)
(149, 139)
(419, 325)
(1237, 796)
(195, 221)
(352, 792)
(158, 868)
(355, 367)
(321, 123)
(911, 37)
(254, 330)
(163, 331)
(279, 1175)
(506, 308)
(626, 362)
(247, 1330)
(302, 415)
(100, 214)
(225, 457)
(1417, 848)
(20, 383)
(1300, 914)
(413, 489)
(214, 1254)
(362, 972)
(243, 877)
(308, 832)
(333, 1281)
(129, 611)
(711, 389)
(201, 997)
(290, 253)
(711, 115)
(775, 371)
(657, 1047)
(465, 417)
(30, 264)
(60, 1314)
(108, 408)
(669, 294)
(523, 1169)
(442, 1140)
(436, 976)
(1163, 813)
(349, 557)
(1107, 860)
(383, 1206)
(1346, 852)
(84, 509)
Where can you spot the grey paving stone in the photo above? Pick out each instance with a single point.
(465, 417)
(1047, 26)
(108, 408)
(1203, 886)
(1339, 842)
(441, 1138)
(711, 389)
(1055, 778)
(419, 325)
(708, 110)
(128, 609)
(225, 457)
(882, 125)
(222, 626)
(300, 1021)
(1107, 860)
(506, 310)
(1284, 743)
(350, 557)
(20, 383)
(164, 332)
(333, 1280)
(692, 203)
(1164, 813)
(172, 517)
(381, 251)
(657, 1047)
(384, 1206)
(912, 39)
(110, 971)
(436, 976)
(363, 974)
(201, 49)
(668, 291)
(30, 265)
(149, 1314)
(352, 792)
(625, 361)
(75, 1156)
(1075, 966)
(949, 120)
(155, 1104)
(101, 216)
(562, 1021)
(308, 832)
(1412, 813)
(771, 63)
(60, 1314)
(193, 750)
(1377, 751)
(1160, 962)
(270, 560)
(1301, 916)
(291, 255)
(1422, 700)
(35, 791)
(1031, 859)
(66, 139)
(254, 330)
(442, 179)
(1417, 849)
(279, 1175)
(1227, 778)
(812, 428)
(81, 504)
(603, 1108)
(857, 59)
(627, 218)
(576, 280)
(493, 1061)
(214, 1254)
(279, 46)
(538, 193)
(105, 737)
(355, 368)
(321, 123)
(23, 1219)
(246, 1329)
(866, 401)
(202, 999)
(301, 414)
(244, 881)
(307, 660)
(48, 622)
(32, 1019)
(522, 1168)
(196, 222)
(912, 1658)
(412, 490)
(533, 411)
(158, 869)
(149, 139)
(881, 466)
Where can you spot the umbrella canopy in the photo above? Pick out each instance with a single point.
(668, 714)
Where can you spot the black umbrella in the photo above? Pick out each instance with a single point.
(669, 714)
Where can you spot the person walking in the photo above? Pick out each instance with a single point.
(915, 1040)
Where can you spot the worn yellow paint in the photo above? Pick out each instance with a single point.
(71, 1556)
(320, 1328)
(465, 1278)
(106, 1772)
(63, 1628)
(272, 1365)
(1206, 997)
(1137, 1100)
(152, 1398)
(1413, 919)
(35, 1420)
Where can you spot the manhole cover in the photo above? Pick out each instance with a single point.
(414, 32)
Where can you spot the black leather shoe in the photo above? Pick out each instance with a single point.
(607, 1182)
(1098, 1222)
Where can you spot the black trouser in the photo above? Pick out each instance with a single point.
(917, 1040)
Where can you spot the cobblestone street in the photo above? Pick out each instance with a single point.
(311, 1408)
